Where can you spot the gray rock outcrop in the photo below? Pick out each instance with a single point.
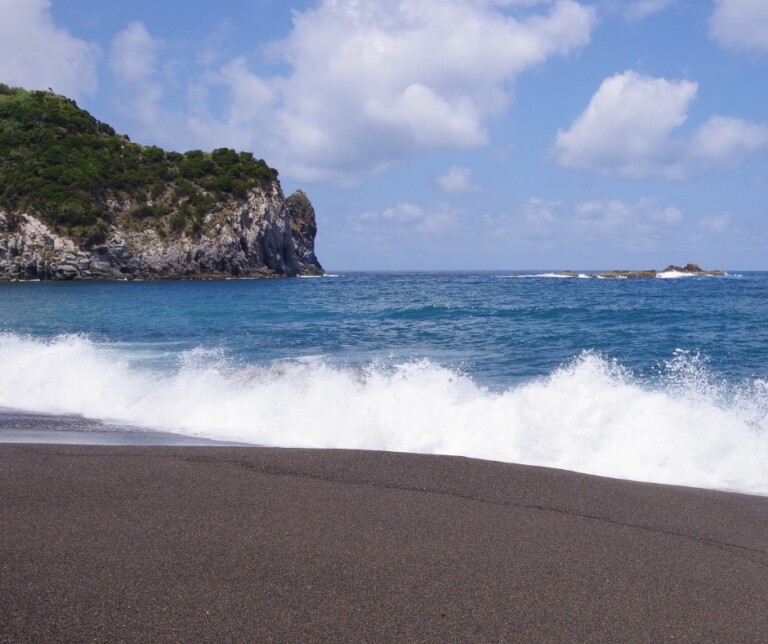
(252, 237)
(690, 269)
(304, 230)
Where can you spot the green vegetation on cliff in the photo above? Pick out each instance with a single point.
(63, 165)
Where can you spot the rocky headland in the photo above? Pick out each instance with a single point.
(78, 201)
(259, 236)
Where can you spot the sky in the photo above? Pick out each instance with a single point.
(447, 134)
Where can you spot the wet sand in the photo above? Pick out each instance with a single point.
(18, 426)
(169, 543)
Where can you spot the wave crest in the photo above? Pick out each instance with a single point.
(592, 415)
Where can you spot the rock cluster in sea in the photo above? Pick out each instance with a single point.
(263, 235)
(688, 269)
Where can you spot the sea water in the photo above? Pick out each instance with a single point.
(662, 380)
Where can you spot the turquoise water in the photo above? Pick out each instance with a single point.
(654, 379)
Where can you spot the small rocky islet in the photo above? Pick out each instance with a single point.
(688, 269)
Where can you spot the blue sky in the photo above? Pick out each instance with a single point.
(448, 134)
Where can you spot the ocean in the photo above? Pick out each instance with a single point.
(659, 380)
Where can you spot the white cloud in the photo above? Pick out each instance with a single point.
(602, 217)
(625, 130)
(741, 25)
(457, 182)
(669, 215)
(641, 224)
(429, 120)
(134, 60)
(401, 213)
(36, 54)
(639, 9)
(728, 140)
(369, 84)
(372, 83)
(246, 119)
(538, 219)
(641, 233)
(408, 221)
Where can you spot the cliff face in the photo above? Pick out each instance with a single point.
(259, 236)
(304, 229)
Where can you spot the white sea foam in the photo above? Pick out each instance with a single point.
(674, 275)
(583, 276)
(662, 275)
(590, 416)
(678, 274)
(324, 275)
(555, 275)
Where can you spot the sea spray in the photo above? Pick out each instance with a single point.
(684, 426)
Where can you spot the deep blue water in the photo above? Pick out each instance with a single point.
(412, 361)
(495, 327)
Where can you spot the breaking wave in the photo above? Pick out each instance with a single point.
(683, 426)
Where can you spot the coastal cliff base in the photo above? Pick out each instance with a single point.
(263, 235)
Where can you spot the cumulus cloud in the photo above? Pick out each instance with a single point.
(728, 140)
(372, 83)
(36, 54)
(628, 131)
(625, 130)
(366, 84)
(133, 59)
(250, 100)
(741, 25)
(457, 182)
(382, 80)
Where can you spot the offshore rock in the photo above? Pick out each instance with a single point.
(304, 230)
(690, 269)
(623, 274)
(251, 237)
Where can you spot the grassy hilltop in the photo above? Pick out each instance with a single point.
(79, 176)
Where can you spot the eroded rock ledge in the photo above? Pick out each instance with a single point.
(263, 235)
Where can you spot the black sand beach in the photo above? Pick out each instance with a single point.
(155, 544)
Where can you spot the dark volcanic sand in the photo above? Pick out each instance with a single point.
(151, 544)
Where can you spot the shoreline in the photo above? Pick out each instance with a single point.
(158, 543)
(34, 428)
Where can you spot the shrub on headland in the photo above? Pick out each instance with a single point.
(63, 165)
